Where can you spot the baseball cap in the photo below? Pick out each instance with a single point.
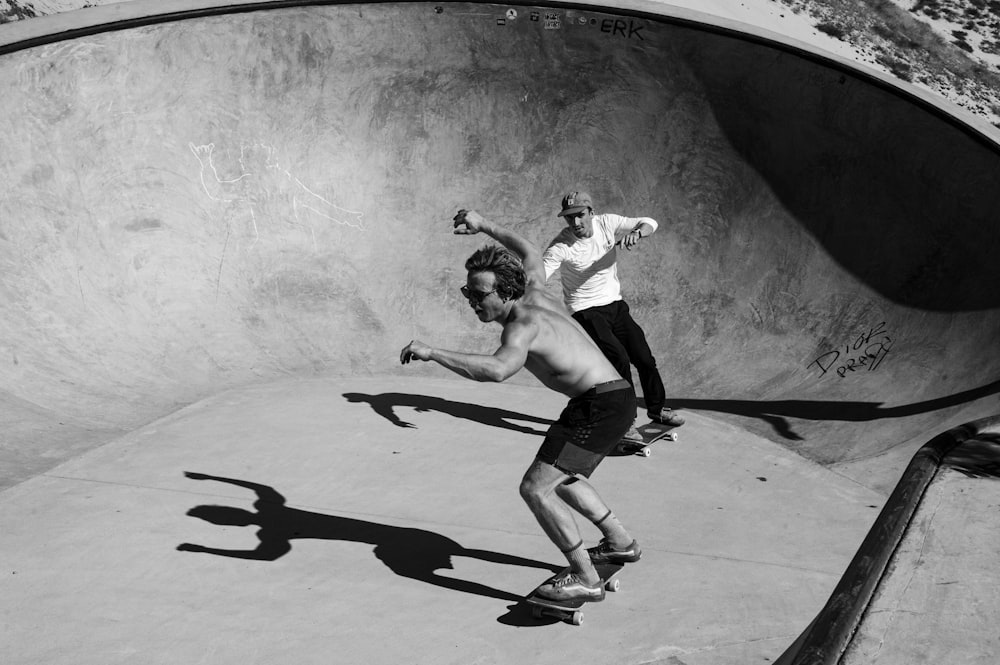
(575, 202)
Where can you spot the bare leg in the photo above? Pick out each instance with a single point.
(539, 491)
(583, 498)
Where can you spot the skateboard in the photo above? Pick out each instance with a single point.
(569, 611)
(651, 433)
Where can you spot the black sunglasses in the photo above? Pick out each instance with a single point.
(475, 297)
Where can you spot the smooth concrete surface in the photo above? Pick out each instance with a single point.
(936, 601)
(870, 588)
(402, 539)
(210, 202)
(257, 206)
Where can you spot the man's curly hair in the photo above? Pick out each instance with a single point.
(504, 265)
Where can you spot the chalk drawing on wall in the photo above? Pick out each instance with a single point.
(268, 190)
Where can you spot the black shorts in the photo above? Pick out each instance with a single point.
(589, 428)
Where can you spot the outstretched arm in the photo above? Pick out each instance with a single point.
(500, 366)
(266, 551)
(264, 492)
(470, 222)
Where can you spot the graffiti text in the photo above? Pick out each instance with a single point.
(865, 352)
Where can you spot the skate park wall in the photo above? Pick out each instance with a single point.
(199, 200)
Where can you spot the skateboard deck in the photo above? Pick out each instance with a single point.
(569, 611)
(651, 433)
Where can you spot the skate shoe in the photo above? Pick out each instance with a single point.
(605, 552)
(569, 588)
(632, 435)
(666, 416)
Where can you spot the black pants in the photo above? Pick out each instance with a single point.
(624, 343)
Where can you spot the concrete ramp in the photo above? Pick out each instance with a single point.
(202, 203)
(205, 199)
(918, 589)
(934, 604)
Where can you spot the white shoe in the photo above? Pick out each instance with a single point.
(632, 434)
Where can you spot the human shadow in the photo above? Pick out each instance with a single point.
(413, 553)
(777, 412)
(385, 405)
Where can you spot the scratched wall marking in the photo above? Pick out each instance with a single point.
(864, 353)
(265, 187)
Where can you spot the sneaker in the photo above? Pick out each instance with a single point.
(569, 588)
(666, 417)
(605, 552)
(632, 435)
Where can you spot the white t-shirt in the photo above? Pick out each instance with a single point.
(588, 267)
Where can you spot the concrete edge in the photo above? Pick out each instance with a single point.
(826, 639)
(42, 30)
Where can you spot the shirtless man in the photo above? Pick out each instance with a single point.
(539, 334)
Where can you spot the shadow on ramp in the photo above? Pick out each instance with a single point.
(203, 200)
(413, 553)
(778, 412)
(385, 405)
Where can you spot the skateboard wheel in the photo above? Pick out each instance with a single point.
(613, 585)
(577, 618)
(672, 436)
(645, 452)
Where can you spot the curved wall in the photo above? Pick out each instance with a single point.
(202, 203)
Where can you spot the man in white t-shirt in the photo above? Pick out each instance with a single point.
(585, 253)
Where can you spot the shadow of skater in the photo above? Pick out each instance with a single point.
(412, 553)
(385, 404)
(778, 412)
